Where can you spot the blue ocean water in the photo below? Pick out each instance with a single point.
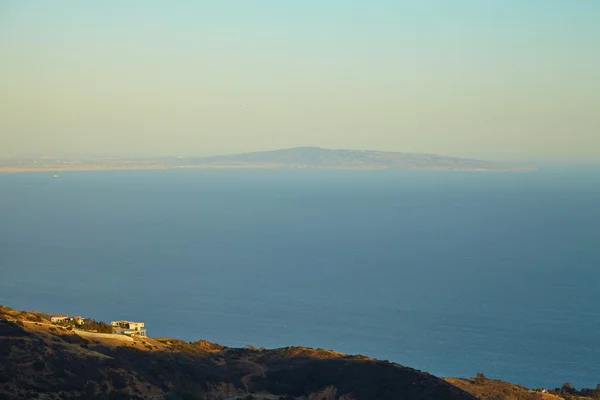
(451, 273)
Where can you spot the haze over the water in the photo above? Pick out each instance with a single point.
(505, 80)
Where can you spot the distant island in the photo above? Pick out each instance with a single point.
(312, 158)
(54, 356)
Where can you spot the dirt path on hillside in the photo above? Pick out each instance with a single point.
(96, 335)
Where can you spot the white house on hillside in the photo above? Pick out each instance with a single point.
(129, 328)
(57, 319)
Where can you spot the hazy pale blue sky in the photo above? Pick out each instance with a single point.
(499, 79)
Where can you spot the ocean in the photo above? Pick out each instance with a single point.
(452, 273)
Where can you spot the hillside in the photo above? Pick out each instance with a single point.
(493, 389)
(46, 361)
(41, 360)
(296, 158)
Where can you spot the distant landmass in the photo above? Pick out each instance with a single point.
(319, 158)
(293, 158)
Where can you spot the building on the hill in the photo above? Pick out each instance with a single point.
(57, 319)
(129, 328)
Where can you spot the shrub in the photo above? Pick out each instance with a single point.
(38, 365)
(4, 377)
(480, 379)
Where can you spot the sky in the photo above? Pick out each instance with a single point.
(497, 79)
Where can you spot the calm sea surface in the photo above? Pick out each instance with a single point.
(451, 273)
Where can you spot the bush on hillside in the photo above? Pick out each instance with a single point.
(480, 379)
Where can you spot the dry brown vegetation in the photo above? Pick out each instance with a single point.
(492, 389)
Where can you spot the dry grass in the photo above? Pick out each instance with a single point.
(310, 353)
(491, 389)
